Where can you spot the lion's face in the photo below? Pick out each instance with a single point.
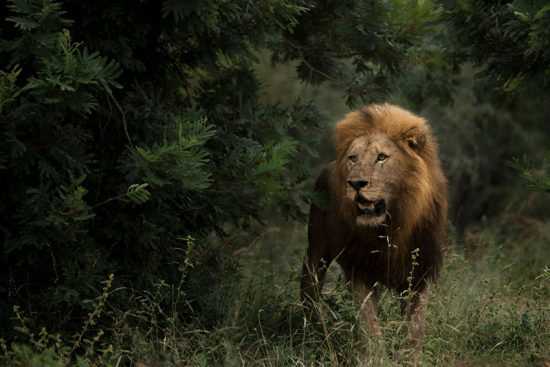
(375, 170)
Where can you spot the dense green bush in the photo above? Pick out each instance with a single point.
(127, 126)
(508, 44)
(508, 39)
(486, 97)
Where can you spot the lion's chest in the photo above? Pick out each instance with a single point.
(356, 250)
(372, 256)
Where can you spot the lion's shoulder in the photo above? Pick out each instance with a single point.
(327, 178)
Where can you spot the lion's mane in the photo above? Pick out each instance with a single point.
(416, 219)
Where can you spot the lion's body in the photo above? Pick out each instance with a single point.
(388, 199)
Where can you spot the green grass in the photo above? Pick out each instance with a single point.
(489, 308)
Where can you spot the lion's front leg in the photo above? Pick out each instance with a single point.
(415, 313)
(317, 258)
(367, 301)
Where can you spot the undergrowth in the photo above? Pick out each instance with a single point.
(480, 312)
(39, 348)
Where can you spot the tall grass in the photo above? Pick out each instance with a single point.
(490, 307)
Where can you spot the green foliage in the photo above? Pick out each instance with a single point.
(74, 176)
(509, 41)
(358, 46)
(46, 349)
(177, 160)
(539, 179)
(66, 67)
(128, 126)
(508, 44)
(7, 87)
(136, 193)
(125, 126)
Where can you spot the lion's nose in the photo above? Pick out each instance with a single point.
(358, 185)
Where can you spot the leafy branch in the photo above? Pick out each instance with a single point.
(136, 193)
(539, 178)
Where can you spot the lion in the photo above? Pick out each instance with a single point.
(388, 204)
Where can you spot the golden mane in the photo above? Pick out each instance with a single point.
(414, 136)
(397, 123)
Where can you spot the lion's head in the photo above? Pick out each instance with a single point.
(385, 156)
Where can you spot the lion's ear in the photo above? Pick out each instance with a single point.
(415, 139)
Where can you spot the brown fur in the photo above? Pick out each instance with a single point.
(393, 153)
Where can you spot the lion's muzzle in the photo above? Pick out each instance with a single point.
(367, 207)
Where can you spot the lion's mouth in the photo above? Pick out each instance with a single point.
(368, 207)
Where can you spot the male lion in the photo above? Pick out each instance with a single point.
(388, 200)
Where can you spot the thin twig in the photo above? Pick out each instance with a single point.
(305, 62)
(122, 113)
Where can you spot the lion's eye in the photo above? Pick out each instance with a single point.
(352, 158)
(382, 157)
